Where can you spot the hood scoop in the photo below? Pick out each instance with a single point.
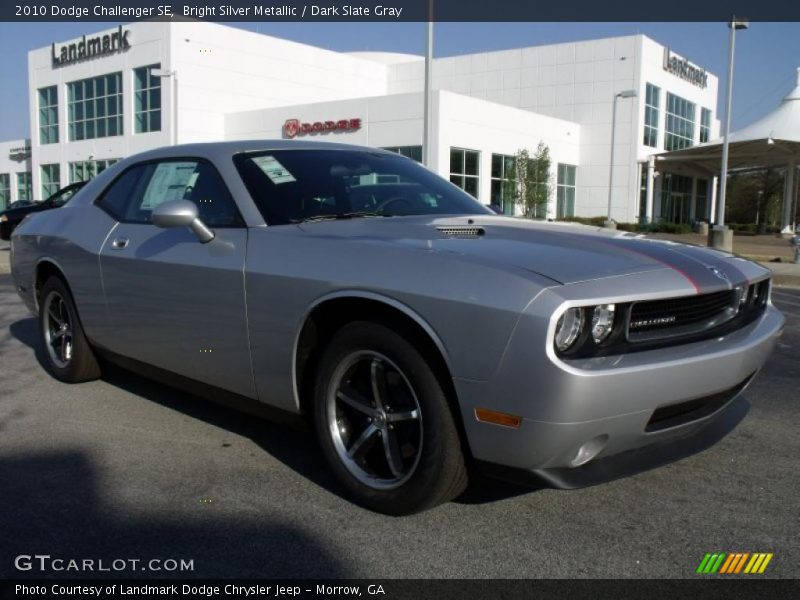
(459, 231)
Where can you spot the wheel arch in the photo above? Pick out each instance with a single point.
(46, 268)
(331, 312)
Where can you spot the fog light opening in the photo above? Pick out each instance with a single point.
(589, 450)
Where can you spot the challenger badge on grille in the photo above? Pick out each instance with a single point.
(650, 322)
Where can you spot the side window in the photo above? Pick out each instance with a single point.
(116, 198)
(156, 183)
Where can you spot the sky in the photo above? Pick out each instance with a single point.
(767, 54)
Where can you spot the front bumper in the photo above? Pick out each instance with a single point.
(619, 410)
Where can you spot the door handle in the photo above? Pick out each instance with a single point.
(120, 243)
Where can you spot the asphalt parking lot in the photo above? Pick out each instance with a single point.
(127, 468)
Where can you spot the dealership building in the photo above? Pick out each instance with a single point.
(113, 93)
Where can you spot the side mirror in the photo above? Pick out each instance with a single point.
(181, 213)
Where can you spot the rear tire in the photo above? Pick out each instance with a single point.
(68, 355)
(384, 422)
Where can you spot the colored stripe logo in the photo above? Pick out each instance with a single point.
(734, 563)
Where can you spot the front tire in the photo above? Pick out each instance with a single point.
(384, 423)
(67, 353)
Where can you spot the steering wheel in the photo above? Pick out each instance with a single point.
(390, 201)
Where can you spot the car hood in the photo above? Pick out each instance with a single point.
(563, 252)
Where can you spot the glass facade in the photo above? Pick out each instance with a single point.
(5, 191)
(86, 169)
(94, 107)
(565, 191)
(676, 198)
(51, 180)
(146, 99)
(24, 186)
(680, 123)
(504, 182)
(701, 207)
(705, 125)
(465, 169)
(414, 152)
(48, 115)
(651, 107)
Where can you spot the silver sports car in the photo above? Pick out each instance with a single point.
(422, 335)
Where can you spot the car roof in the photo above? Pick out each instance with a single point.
(228, 148)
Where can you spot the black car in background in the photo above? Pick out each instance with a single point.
(11, 217)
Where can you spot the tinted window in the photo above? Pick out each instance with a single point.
(133, 197)
(116, 197)
(289, 186)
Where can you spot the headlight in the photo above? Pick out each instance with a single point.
(568, 328)
(3, 218)
(602, 322)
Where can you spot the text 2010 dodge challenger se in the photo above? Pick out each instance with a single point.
(422, 334)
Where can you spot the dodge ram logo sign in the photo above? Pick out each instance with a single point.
(293, 127)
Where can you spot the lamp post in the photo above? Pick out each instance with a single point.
(173, 75)
(624, 94)
(426, 125)
(720, 237)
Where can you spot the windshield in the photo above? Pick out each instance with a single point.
(292, 186)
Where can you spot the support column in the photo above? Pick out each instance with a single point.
(651, 180)
(788, 199)
(712, 216)
(693, 201)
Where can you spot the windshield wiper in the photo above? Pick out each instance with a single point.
(341, 216)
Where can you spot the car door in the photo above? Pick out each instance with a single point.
(173, 301)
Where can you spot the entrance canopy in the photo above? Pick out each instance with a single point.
(772, 141)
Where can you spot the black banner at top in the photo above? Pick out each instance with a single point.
(399, 10)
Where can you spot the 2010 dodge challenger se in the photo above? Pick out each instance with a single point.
(422, 334)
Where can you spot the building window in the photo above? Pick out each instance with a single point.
(48, 115)
(5, 191)
(464, 169)
(86, 169)
(651, 106)
(701, 212)
(413, 152)
(565, 191)
(24, 186)
(146, 99)
(94, 107)
(676, 198)
(504, 182)
(680, 123)
(51, 180)
(705, 125)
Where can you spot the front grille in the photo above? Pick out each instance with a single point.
(456, 231)
(686, 412)
(660, 319)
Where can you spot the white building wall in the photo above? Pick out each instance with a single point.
(219, 73)
(218, 70)
(575, 81)
(458, 121)
(149, 45)
(491, 128)
(222, 70)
